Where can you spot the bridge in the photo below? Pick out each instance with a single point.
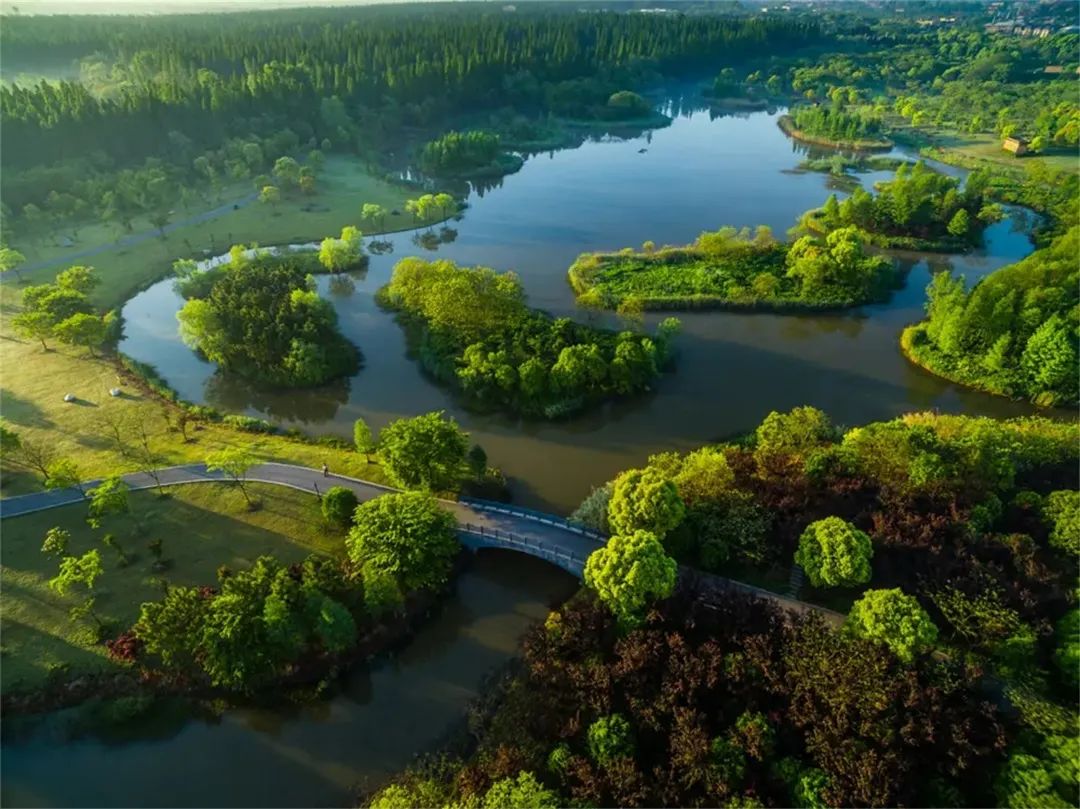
(481, 523)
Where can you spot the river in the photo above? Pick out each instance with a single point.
(313, 754)
(700, 173)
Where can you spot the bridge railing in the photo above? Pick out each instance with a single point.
(534, 547)
(535, 516)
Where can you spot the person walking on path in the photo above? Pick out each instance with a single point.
(325, 471)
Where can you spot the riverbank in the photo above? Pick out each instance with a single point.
(306, 680)
(345, 185)
(786, 124)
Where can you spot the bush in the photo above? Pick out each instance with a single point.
(249, 424)
(338, 505)
(610, 737)
(834, 553)
(894, 619)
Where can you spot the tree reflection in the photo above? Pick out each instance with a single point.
(232, 394)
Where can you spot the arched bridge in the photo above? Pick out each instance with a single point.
(481, 523)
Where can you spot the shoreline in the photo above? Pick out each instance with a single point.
(787, 125)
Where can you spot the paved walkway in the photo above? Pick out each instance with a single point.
(480, 523)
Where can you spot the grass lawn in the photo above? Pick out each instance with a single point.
(985, 149)
(31, 400)
(344, 185)
(202, 527)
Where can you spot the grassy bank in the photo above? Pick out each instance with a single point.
(34, 385)
(201, 527)
(788, 126)
(344, 186)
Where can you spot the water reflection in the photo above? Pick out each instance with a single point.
(699, 173)
(310, 754)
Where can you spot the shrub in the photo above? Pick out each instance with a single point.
(610, 737)
(834, 553)
(894, 619)
(338, 505)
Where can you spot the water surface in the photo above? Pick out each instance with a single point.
(313, 754)
(667, 186)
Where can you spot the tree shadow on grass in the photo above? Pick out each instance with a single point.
(18, 410)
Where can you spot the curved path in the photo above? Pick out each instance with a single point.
(481, 523)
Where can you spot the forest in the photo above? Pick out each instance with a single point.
(963, 528)
(729, 268)
(834, 124)
(471, 328)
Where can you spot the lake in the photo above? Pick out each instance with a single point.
(667, 186)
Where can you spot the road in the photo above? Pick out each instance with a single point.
(480, 523)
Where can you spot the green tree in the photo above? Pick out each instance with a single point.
(376, 214)
(77, 570)
(63, 473)
(363, 439)
(522, 792)
(1062, 512)
(34, 325)
(339, 255)
(81, 279)
(426, 451)
(235, 463)
(628, 572)
(834, 553)
(287, 171)
(56, 542)
(895, 619)
(610, 737)
(338, 505)
(1049, 360)
(172, 628)
(109, 498)
(270, 195)
(1067, 653)
(703, 476)
(407, 535)
(10, 261)
(783, 437)
(644, 499)
(960, 225)
(89, 331)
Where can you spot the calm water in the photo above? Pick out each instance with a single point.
(310, 755)
(667, 186)
(732, 370)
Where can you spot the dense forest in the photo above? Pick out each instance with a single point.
(1014, 333)
(835, 123)
(210, 78)
(706, 701)
(471, 328)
